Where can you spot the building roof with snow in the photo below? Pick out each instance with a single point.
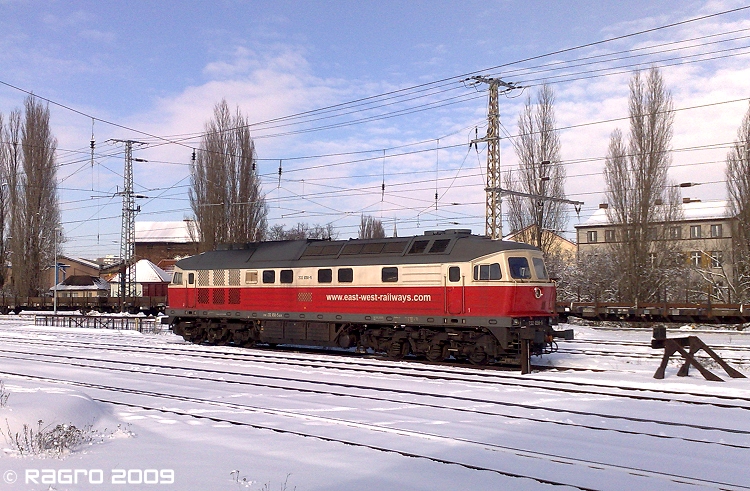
(182, 232)
(146, 272)
(81, 282)
(694, 210)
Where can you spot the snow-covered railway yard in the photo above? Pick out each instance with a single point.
(168, 415)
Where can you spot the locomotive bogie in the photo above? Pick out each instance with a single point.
(440, 295)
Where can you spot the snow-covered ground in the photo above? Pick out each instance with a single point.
(156, 413)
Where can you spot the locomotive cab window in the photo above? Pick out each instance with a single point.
(177, 279)
(519, 268)
(541, 271)
(389, 275)
(454, 274)
(346, 275)
(325, 275)
(191, 278)
(484, 272)
(269, 276)
(286, 276)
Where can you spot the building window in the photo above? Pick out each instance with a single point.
(652, 259)
(675, 232)
(695, 231)
(716, 230)
(591, 236)
(695, 258)
(716, 258)
(609, 235)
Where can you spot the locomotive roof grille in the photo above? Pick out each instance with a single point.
(433, 247)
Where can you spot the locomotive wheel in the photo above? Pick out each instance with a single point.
(397, 350)
(198, 336)
(435, 353)
(217, 336)
(478, 357)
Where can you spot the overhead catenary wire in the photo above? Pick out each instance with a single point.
(310, 180)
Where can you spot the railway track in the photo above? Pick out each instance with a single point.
(402, 396)
(431, 371)
(585, 478)
(525, 417)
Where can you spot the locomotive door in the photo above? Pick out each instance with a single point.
(191, 291)
(454, 291)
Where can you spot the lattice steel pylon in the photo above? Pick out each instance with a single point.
(127, 232)
(494, 209)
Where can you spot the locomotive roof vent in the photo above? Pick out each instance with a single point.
(450, 231)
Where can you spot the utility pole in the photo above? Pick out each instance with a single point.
(127, 231)
(494, 209)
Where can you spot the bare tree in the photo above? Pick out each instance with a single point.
(33, 192)
(539, 173)
(4, 201)
(302, 231)
(225, 192)
(639, 192)
(370, 228)
(738, 191)
(11, 136)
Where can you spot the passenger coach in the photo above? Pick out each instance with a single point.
(441, 294)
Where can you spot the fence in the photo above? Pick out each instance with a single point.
(131, 323)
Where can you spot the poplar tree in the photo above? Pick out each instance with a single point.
(639, 192)
(32, 194)
(738, 191)
(225, 192)
(370, 228)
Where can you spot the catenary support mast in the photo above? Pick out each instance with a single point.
(493, 210)
(127, 231)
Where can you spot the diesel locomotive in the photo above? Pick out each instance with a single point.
(443, 294)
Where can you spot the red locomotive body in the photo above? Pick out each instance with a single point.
(441, 294)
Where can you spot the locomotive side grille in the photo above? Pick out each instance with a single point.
(304, 297)
(203, 277)
(234, 277)
(218, 296)
(220, 277)
(202, 296)
(234, 296)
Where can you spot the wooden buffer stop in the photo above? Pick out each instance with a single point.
(678, 345)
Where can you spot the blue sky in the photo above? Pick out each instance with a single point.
(159, 67)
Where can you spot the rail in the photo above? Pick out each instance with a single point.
(129, 323)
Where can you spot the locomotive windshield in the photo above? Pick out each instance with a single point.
(541, 271)
(519, 268)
